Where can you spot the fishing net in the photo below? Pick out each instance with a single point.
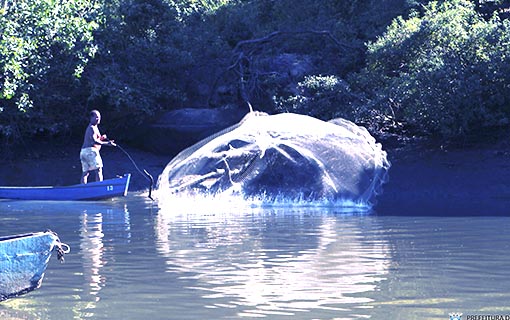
(285, 157)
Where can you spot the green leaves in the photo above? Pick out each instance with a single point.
(36, 37)
(442, 70)
(432, 70)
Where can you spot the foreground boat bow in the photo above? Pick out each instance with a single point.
(23, 261)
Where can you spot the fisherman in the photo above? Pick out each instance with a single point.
(89, 155)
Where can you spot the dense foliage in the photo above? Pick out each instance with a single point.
(443, 72)
(45, 46)
(429, 68)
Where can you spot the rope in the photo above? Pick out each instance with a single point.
(62, 248)
(143, 173)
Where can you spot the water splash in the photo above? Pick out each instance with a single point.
(279, 159)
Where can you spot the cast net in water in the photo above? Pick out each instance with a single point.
(279, 159)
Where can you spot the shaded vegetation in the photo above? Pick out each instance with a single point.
(444, 72)
(416, 68)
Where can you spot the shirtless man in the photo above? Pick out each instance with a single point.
(89, 155)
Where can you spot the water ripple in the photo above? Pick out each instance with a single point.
(270, 267)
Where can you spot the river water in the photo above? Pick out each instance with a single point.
(131, 259)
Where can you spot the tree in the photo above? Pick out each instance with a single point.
(442, 73)
(44, 48)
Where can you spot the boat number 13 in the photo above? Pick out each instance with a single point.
(109, 188)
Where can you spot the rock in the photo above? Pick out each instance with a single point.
(179, 129)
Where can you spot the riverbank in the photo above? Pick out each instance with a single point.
(472, 180)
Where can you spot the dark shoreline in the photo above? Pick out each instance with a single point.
(474, 180)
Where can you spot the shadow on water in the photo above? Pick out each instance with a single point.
(440, 206)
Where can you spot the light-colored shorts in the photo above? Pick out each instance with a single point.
(90, 159)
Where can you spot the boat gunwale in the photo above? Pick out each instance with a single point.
(120, 186)
(18, 236)
(77, 186)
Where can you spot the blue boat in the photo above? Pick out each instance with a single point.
(105, 189)
(23, 261)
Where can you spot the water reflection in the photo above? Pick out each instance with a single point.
(8, 311)
(288, 263)
(71, 290)
(97, 228)
(274, 261)
(92, 246)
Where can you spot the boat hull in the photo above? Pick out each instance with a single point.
(110, 188)
(23, 261)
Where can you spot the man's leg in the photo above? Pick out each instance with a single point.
(99, 174)
(84, 177)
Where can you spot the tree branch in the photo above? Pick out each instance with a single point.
(275, 34)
